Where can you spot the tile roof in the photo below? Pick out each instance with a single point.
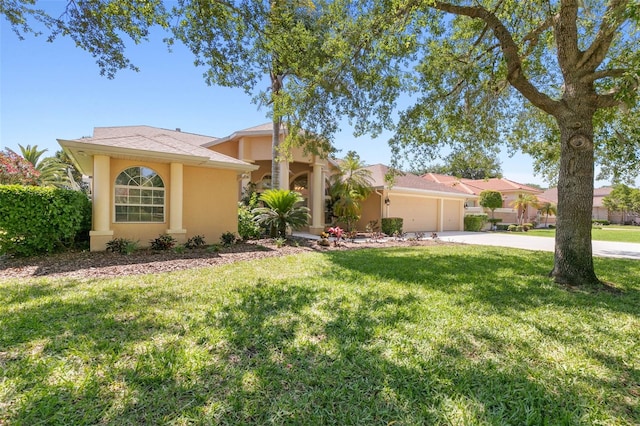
(410, 181)
(476, 186)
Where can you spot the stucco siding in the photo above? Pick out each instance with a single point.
(210, 200)
(370, 211)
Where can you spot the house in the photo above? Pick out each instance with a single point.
(148, 181)
(509, 189)
(424, 206)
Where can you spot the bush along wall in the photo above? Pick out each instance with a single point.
(475, 222)
(36, 220)
(391, 225)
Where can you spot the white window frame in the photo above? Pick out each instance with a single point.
(144, 178)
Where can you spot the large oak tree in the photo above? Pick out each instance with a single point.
(554, 79)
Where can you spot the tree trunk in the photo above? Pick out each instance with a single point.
(275, 155)
(573, 262)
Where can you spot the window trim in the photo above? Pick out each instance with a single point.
(140, 187)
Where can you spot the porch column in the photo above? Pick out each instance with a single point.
(284, 173)
(462, 214)
(175, 203)
(317, 189)
(101, 232)
(245, 178)
(440, 207)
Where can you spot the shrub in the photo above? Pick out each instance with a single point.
(600, 222)
(502, 227)
(195, 242)
(474, 222)
(392, 225)
(228, 238)
(36, 220)
(163, 242)
(248, 229)
(552, 227)
(527, 226)
(511, 228)
(122, 246)
(280, 242)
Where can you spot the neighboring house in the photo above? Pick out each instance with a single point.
(424, 206)
(508, 188)
(148, 181)
(599, 212)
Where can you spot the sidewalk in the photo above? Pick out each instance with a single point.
(521, 241)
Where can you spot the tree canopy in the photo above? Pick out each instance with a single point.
(468, 165)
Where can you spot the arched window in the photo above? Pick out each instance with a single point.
(139, 196)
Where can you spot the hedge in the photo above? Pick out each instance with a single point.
(391, 225)
(475, 222)
(36, 220)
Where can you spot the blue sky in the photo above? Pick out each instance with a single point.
(54, 90)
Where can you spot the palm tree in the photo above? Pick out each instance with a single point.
(350, 186)
(522, 204)
(548, 208)
(284, 210)
(53, 172)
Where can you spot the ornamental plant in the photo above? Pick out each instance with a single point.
(337, 233)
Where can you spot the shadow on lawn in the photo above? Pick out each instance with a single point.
(285, 352)
(505, 282)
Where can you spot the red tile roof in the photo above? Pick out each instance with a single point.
(409, 181)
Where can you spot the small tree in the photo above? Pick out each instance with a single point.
(16, 170)
(349, 187)
(522, 204)
(620, 200)
(548, 208)
(282, 210)
(491, 200)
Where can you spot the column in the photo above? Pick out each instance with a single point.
(317, 191)
(175, 203)
(440, 223)
(101, 194)
(284, 173)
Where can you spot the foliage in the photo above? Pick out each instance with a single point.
(53, 172)
(624, 199)
(228, 239)
(600, 221)
(466, 164)
(280, 242)
(37, 220)
(474, 222)
(523, 201)
(547, 208)
(163, 242)
(14, 169)
(391, 225)
(122, 246)
(247, 227)
(338, 233)
(491, 200)
(195, 242)
(348, 188)
(282, 211)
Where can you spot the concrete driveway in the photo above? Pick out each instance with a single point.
(522, 241)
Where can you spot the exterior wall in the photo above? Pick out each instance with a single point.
(370, 211)
(227, 148)
(141, 232)
(419, 214)
(602, 213)
(210, 202)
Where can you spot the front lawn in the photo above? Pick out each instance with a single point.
(621, 234)
(458, 335)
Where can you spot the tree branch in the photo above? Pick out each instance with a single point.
(515, 75)
(595, 54)
(597, 75)
(566, 35)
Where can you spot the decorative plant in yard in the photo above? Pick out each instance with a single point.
(337, 233)
(163, 242)
(283, 209)
(349, 187)
(522, 204)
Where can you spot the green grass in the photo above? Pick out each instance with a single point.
(455, 335)
(621, 234)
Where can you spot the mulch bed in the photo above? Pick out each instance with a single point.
(106, 264)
